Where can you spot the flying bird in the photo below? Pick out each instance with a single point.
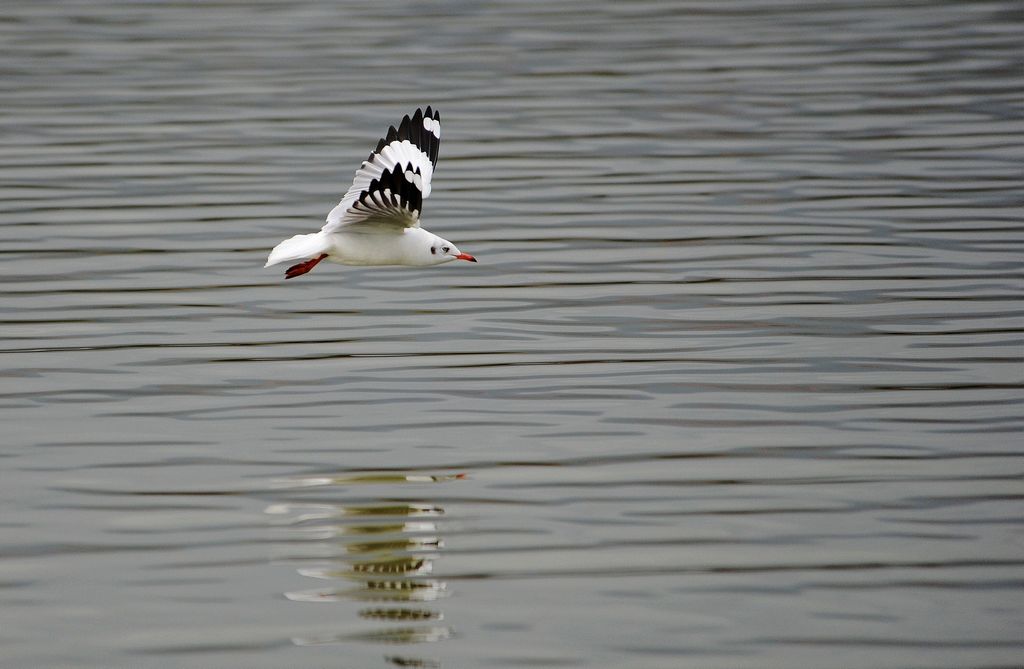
(378, 220)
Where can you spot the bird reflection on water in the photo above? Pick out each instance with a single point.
(380, 553)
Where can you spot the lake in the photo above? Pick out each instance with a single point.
(737, 382)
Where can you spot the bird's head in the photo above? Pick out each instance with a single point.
(442, 250)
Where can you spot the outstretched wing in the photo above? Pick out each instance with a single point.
(391, 184)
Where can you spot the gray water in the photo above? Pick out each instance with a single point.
(737, 381)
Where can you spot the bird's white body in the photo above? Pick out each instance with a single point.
(377, 222)
(410, 246)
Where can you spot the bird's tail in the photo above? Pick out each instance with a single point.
(299, 247)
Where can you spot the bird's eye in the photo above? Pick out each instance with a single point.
(445, 249)
(433, 250)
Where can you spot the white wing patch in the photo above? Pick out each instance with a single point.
(390, 185)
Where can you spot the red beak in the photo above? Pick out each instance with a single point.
(465, 256)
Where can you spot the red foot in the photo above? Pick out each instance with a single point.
(302, 267)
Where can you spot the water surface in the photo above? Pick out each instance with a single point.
(737, 381)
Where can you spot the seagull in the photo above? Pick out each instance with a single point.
(378, 220)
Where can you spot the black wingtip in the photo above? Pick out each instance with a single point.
(403, 129)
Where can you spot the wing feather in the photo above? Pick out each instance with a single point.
(391, 184)
(394, 200)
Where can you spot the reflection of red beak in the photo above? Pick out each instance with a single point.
(465, 256)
